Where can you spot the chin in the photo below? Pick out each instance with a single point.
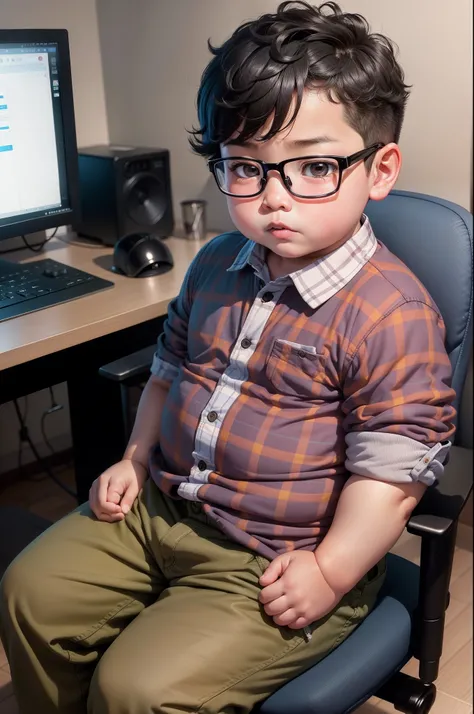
(288, 249)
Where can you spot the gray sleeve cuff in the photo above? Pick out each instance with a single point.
(394, 458)
(163, 370)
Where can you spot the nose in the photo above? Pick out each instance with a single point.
(275, 195)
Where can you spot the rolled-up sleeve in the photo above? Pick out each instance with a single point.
(398, 401)
(172, 342)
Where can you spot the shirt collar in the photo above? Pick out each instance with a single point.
(322, 279)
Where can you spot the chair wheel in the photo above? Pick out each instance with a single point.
(408, 694)
(421, 699)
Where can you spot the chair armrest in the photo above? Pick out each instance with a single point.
(437, 515)
(427, 525)
(130, 367)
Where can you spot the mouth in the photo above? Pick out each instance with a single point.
(280, 230)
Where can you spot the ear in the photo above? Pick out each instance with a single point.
(384, 171)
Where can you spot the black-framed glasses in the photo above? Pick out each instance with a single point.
(304, 177)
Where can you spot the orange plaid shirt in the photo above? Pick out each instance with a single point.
(281, 389)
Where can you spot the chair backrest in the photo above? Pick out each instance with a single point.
(434, 239)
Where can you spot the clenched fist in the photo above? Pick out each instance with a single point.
(112, 494)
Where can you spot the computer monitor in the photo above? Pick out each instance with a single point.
(38, 150)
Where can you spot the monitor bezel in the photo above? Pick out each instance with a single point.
(18, 226)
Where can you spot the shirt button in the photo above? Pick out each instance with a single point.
(266, 297)
(212, 416)
(246, 343)
(202, 466)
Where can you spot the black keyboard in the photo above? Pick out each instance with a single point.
(26, 288)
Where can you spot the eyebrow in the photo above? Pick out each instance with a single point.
(296, 143)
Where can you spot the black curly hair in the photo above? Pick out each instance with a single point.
(268, 62)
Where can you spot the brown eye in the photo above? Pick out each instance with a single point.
(317, 169)
(243, 170)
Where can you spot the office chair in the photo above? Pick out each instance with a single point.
(434, 238)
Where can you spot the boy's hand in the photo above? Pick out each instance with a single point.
(113, 493)
(295, 592)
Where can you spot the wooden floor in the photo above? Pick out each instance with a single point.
(455, 680)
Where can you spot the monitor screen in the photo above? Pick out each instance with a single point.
(35, 185)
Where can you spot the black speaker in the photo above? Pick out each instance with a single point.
(124, 190)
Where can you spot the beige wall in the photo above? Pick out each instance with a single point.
(155, 50)
(80, 19)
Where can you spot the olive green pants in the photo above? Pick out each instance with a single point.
(156, 613)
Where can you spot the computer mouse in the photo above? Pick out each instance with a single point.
(141, 255)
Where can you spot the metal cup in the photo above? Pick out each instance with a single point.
(194, 219)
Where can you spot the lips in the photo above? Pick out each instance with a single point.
(280, 231)
(278, 227)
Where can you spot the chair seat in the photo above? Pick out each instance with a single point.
(378, 648)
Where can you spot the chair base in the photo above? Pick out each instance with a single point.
(408, 694)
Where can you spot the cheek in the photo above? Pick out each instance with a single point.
(243, 214)
(341, 213)
(354, 191)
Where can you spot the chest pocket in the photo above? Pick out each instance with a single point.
(296, 370)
